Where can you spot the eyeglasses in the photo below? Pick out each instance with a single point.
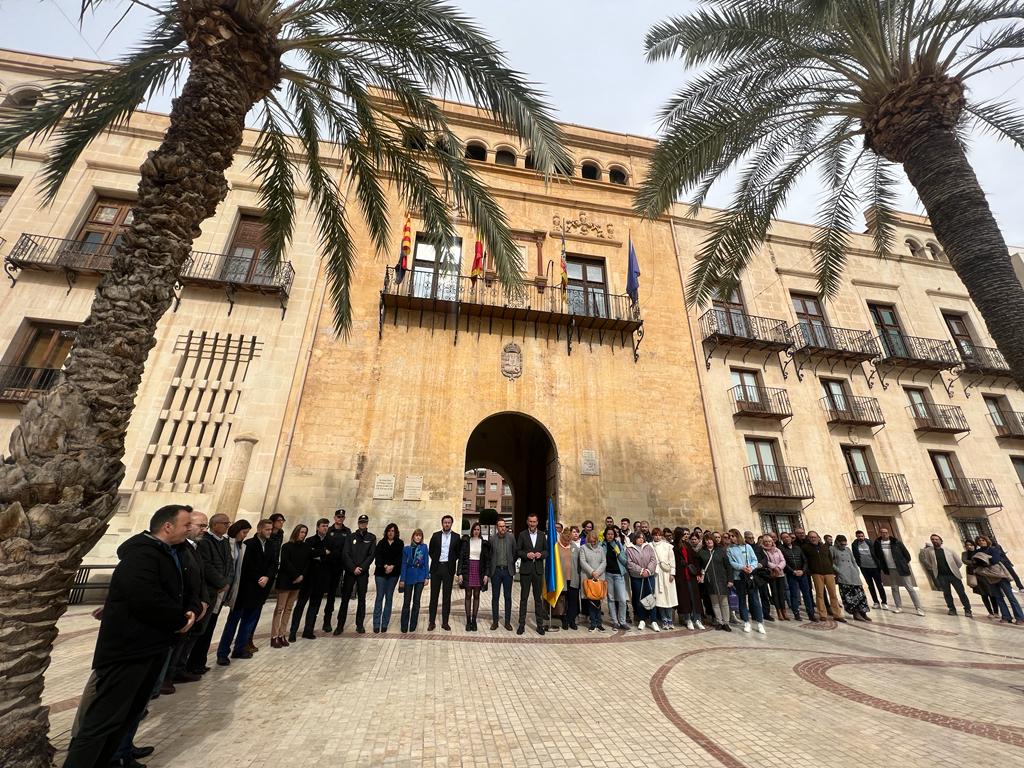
(203, 526)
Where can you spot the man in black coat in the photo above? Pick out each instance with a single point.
(894, 560)
(314, 582)
(198, 598)
(357, 556)
(336, 536)
(259, 567)
(143, 613)
(444, 558)
(532, 548)
(215, 554)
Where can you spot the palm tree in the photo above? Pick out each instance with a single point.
(852, 88)
(315, 72)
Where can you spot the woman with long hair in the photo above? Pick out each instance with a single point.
(643, 564)
(295, 560)
(615, 573)
(415, 573)
(474, 559)
(775, 574)
(716, 575)
(665, 595)
(688, 597)
(977, 584)
(744, 562)
(388, 558)
(568, 554)
(989, 566)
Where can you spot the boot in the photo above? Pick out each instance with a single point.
(291, 636)
(783, 615)
(274, 643)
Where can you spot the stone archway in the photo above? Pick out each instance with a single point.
(522, 450)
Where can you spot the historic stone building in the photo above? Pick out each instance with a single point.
(770, 409)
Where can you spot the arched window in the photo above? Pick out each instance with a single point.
(505, 157)
(528, 162)
(936, 253)
(441, 144)
(25, 98)
(618, 176)
(590, 171)
(476, 151)
(414, 141)
(915, 248)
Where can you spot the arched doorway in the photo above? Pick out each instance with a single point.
(520, 448)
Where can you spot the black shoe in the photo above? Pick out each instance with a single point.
(309, 634)
(327, 626)
(338, 630)
(727, 628)
(541, 630)
(223, 661)
(446, 627)
(494, 625)
(361, 630)
(241, 655)
(376, 630)
(431, 627)
(186, 677)
(600, 627)
(291, 637)
(508, 626)
(769, 617)
(469, 625)
(521, 629)
(968, 614)
(951, 612)
(573, 626)
(139, 752)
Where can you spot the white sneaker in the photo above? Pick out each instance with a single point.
(698, 624)
(920, 612)
(655, 627)
(760, 628)
(885, 607)
(896, 610)
(641, 625)
(689, 625)
(876, 606)
(746, 626)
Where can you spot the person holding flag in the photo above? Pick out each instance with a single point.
(532, 548)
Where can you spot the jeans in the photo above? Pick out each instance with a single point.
(411, 606)
(895, 582)
(945, 584)
(594, 610)
(616, 599)
(873, 576)
(800, 585)
(1006, 600)
(382, 605)
(501, 584)
(243, 622)
(748, 593)
(642, 587)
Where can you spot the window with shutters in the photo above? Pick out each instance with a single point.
(101, 235)
(34, 361)
(244, 261)
(6, 193)
(194, 427)
(587, 291)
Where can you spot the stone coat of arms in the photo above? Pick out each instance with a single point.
(511, 361)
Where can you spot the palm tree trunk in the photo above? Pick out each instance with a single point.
(938, 168)
(59, 486)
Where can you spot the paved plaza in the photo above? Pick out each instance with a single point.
(937, 691)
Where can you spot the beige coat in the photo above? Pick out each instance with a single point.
(664, 588)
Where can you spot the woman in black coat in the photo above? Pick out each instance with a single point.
(295, 560)
(474, 562)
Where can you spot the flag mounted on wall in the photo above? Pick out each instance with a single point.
(633, 278)
(478, 261)
(402, 266)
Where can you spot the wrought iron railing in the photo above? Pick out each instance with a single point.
(978, 492)
(930, 417)
(1007, 423)
(878, 487)
(19, 383)
(728, 323)
(56, 253)
(852, 410)
(911, 349)
(812, 337)
(982, 359)
(462, 289)
(773, 481)
(767, 402)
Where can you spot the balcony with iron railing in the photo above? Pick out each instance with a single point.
(853, 411)
(878, 488)
(946, 419)
(813, 339)
(760, 402)
(969, 492)
(20, 383)
(1009, 424)
(904, 351)
(778, 482)
(726, 327)
(486, 297)
(988, 361)
(53, 254)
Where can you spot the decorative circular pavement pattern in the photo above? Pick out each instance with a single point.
(904, 690)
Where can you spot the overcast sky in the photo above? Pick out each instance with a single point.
(587, 55)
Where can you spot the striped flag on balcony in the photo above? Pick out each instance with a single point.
(564, 279)
(478, 261)
(403, 257)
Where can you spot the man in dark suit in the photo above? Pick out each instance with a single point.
(317, 577)
(143, 614)
(532, 548)
(444, 556)
(218, 568)
(259, 567)
(197, 599)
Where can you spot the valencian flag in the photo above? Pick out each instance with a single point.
(403, 257)
(633, 278)
(478, 261)
(554, 579)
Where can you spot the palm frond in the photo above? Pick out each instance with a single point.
(1001, 118)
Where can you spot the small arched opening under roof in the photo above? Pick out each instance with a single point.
(935, 252)
(590, 171)
(505, 156)
(915, 248)
(617, 175)
(475, 150)
(414, 140)
(21, 98)
(529, 163)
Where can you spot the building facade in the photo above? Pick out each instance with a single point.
(770, 409)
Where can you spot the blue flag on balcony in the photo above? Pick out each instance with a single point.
(633, 278)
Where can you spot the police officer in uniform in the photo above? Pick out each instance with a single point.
(357, 557)
(336, 536)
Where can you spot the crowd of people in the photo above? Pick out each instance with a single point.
(175, 580)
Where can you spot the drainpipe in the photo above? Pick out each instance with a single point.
(270, 509)
(700, 379)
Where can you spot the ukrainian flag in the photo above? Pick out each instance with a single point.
(554, 578)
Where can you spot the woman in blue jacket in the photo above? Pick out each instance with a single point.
(744, 563)
(415, 573)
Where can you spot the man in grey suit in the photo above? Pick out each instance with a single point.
(532, 548)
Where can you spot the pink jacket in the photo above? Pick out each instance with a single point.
(638, 558)
(776, 561)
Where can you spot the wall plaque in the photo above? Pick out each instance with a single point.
(511, 361)
(589, 464)
(413, 490)
(384, 487)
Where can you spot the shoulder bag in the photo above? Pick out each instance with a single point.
(595, 590)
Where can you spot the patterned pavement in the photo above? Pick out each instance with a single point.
(937, 691)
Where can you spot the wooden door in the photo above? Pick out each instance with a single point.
(243, 262)
(811, 319)
(873, 524)
(961, 334)
(887, 325)
(100, 236)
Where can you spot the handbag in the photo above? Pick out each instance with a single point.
(595, 590)
(972, 580)
(647, 601)
(993, 574)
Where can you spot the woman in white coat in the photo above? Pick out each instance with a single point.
(665, 595)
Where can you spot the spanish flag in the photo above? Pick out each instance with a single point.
(564, 267)
(553, 577)
(403, 257)
(478, 262)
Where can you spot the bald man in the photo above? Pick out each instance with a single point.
(214, 551)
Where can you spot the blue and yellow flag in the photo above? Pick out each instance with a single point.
(554, 579)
